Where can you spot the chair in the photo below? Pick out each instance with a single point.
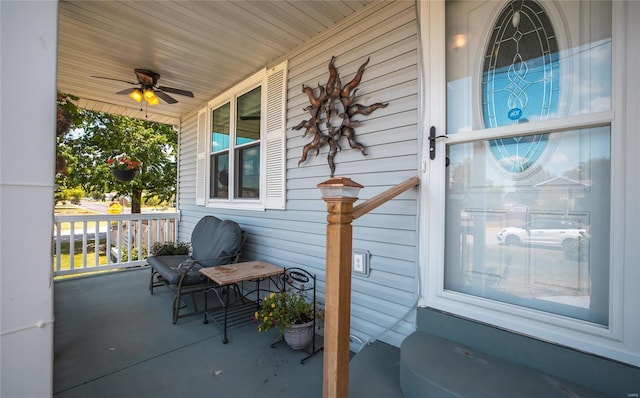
(213, 242)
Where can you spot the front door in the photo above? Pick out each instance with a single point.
(517, 204)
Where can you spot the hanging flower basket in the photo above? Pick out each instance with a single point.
(124, 175)
(123, 167)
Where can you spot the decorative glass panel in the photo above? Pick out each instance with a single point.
(521, 76)
(520, 81)
(535, 65)
(248, 118)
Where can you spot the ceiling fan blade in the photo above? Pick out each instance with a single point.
(126, 91)
(176, 91)
(117, 80)
(167, 98)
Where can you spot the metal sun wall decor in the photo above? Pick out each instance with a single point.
(334, 99)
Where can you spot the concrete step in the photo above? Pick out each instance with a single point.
(374, 372)
(435, 367)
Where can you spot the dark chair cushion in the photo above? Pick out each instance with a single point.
(213, 242)
(166, 267)
(213, 239)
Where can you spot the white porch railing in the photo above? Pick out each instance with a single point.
(103, 242)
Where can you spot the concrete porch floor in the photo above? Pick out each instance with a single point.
(113, 339)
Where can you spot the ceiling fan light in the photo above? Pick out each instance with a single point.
(136, 95)
(149, 94)
(153, 101)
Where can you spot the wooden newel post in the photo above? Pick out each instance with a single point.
(339, 193)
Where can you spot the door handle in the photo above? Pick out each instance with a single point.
(432, 142)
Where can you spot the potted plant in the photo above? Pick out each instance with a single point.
(292, 313)
(170, 248)
(123, 167)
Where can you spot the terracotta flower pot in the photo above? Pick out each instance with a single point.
(124, 175)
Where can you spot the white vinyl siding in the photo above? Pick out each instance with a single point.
(385, 32)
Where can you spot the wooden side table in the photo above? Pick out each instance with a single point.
(225, 276)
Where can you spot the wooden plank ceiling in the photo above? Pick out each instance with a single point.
(202, 46)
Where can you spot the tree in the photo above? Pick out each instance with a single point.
(68, 116)
(101, 136)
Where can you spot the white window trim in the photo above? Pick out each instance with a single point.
(272, 142)
(621, 339)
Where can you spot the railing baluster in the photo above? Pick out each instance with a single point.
(138, 241)
(72, 246)
(115, 239)
(96, 243)
(58, 246)
(84, 244)
(149, 240)
(119, 240)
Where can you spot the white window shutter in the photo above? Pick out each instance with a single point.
(275, 150)
(201, 158)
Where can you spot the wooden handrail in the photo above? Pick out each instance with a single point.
(384, 197)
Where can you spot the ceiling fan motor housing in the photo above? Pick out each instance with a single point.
(147, 78)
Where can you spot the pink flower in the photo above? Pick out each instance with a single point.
(123, 162)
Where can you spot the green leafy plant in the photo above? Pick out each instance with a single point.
(170, 248)
(284, 309)
(124, 254)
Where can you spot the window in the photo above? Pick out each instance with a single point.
(247, 145)
(240, 149)
(220, 127)
(241, 143)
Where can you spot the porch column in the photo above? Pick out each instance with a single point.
(339, 194)
(28, 135)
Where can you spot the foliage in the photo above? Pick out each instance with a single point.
(123, 162)
(68, 117)
(102, 136)
(73, 194)
(68, 113)
(284, 309)
(59, 196)
(170, 248)
(152, 201)
(124, 254)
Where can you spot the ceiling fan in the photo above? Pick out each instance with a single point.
(149, 90)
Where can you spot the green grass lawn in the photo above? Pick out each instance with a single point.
(65, 260)
(65, 256)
